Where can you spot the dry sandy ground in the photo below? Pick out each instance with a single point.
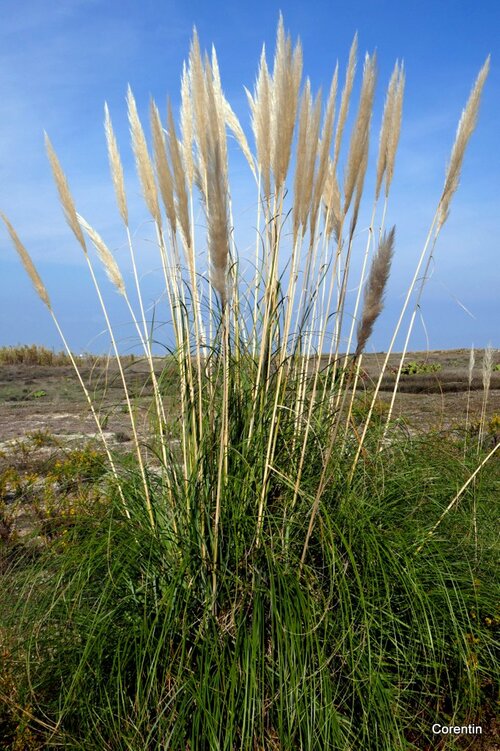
(47, 398)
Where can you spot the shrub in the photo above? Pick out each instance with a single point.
(420, 367)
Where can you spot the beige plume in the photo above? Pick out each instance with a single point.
(345, 98)
(360, 132)
(64, 193)
(217, 223)
(375, 287)
(395, 130)
(28, 263)
(287, 75)
(179, 179)
(324, 152)
(187, 125)
(260, 107)
(107, 258)
(465, 129)
(234, 124)
(301, 156)
(142, 160)
(332, 202)
(115, 164)
(387, 121)
(163, 173)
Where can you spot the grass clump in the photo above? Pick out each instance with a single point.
(32, 354)
(289, 572)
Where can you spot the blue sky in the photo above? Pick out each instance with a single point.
(61, 60)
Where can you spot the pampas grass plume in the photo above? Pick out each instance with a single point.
(115, 164)
(142, 160)
(465, 129)
(28, 263)
(107, 258)
(64, 193)
(375, 287)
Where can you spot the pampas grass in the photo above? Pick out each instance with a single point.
(375, 287)
(259, 531)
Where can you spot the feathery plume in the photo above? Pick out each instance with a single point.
(28, 263)
(64, 193)
(197, 83)
(395, 130)
(487, 367)
(361, 130)
(260, 107)
(360, 180)
(332, 201)
(310, 164)
(234, 124)
(287, 74)
(217, 223)
(107, 258)
(142, 160)
(217, 191)
(115, 164)
(345, 98)
(375, 287)
(387, 120)
(163, 172)
(187, 126)
(179, 179)
(217, 99)
(472, 362)
(301, 156)
(465, 129)
(324, 151)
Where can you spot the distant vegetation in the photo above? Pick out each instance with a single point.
(32, 354)
(35, 354)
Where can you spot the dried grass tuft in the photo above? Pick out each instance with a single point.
(217, 224)
(64, 193)
(487, 367)
(287, 75)
(163, 173)
(179, 179)
(345, 98)
(115, 164)
(107, 258)
(187, 126)
(332, 202)
(472, 362)
(260, 107)
(324, 152)
(142, 160)
(358, 150)
(394, 131)
(234, 124)
(390, 130)
(375, 287)
(465, 129)
(28, 263)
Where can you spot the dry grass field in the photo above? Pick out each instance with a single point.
(48, 398)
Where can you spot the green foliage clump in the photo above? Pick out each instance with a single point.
(420, 367)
